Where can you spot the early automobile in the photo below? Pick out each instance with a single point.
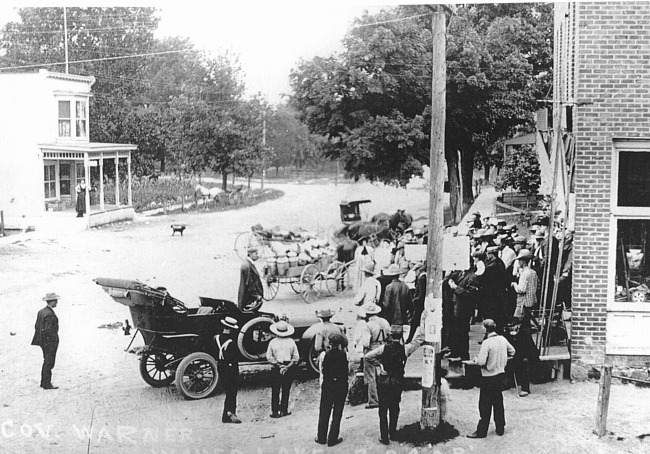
(179, 341)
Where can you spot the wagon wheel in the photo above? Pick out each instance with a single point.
(312, 357)
(295, 285)
(311, 282)
(271, 286)
(338, 277)
(196, 376)
(154, 369)
(246, 240)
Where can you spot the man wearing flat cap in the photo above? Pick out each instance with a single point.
(251, 289)
(47, 337)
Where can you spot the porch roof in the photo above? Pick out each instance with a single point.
(94, 150)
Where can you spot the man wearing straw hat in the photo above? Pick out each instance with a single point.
(379, 330)
(228, 368)
(370, 290)
(46, 336)
(397, 299)
(251, 289)
(325, 329)
(282, 353)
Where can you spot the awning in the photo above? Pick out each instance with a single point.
(76, 151)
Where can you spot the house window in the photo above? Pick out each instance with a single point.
(80, 172)
(80, 112)
(64, 178)
(65, 120)
(50, 181)
(73, 119)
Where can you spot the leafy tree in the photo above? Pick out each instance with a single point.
(520, 170)
(290, 140)
(498, 60)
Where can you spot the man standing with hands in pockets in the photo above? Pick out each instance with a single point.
(492, 358)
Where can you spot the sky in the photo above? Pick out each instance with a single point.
(269, 37)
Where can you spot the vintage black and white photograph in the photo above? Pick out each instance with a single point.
(308, 227)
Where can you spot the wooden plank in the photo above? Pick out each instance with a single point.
(603, 401)
(510, 207)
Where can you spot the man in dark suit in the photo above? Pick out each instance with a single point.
(47, 337)
(250, 283)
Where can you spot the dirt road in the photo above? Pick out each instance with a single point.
(103, 406)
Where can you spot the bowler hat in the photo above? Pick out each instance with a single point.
(229, 322)
(282, 329)
(51, 297)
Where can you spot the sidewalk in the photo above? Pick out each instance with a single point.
(484, 204)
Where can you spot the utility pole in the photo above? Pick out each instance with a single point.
(430, 416)
(263, 151)
(65, 38)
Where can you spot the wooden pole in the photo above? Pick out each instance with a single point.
(430, 415)
(603, 401)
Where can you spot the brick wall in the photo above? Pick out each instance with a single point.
(613, 92)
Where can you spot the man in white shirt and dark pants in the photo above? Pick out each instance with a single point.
(493, 356)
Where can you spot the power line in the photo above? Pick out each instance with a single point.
(391, 20)
(97, 59)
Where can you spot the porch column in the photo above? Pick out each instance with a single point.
(101, 181)
(117, 180)
(87, 195)
(128, 165)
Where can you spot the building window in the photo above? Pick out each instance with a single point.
(80, 112)
(50, 181)
(65, 120)
(77, 111)
(64, 178)
(630, 227)
(632, 267)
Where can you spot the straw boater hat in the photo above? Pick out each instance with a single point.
(394, 270)
(519, 239)
(524, 254)
(324, 314)
(250, 249)
(230, 322)
(371, 309)
(51, 297)
(368, 268)
(540, 235)
(282, 329)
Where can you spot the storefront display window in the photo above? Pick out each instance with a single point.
(632, 270)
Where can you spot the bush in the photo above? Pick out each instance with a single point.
(149, 194)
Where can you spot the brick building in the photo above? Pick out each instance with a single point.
(602, 106)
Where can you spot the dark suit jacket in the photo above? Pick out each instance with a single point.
(250, 284)
(46, 328)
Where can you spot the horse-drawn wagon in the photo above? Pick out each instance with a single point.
(307, 264)
(179, 341)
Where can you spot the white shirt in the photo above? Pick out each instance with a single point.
(369, 292)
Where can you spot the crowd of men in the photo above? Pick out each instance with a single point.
(503, 287)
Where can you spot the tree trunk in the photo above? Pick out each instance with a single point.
(162, 165)
(224, 180)
(486, 172)
(454, 187)
(467, 171)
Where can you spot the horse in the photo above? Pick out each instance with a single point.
(206, 194)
